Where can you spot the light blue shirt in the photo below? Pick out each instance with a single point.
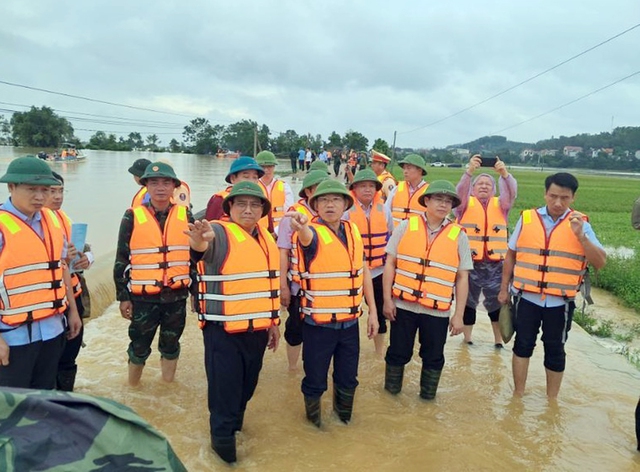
(549, 301)
(42, 330)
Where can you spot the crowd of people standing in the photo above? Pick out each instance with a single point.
(420, 255)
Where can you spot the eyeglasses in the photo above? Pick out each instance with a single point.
(243, 205)
(333, 200)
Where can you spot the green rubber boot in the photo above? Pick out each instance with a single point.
(393, 378)
(343, 403)
(429, 379)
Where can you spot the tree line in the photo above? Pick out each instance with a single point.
(41, 127)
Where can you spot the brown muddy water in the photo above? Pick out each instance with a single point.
(474, 423)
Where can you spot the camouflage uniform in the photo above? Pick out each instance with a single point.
(166, 309)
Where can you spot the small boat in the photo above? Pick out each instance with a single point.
(226, 154)
(67, 152)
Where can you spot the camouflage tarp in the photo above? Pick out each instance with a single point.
(61, 431)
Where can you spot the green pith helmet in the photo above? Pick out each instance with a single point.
(138, 167)
(440, 187)
(365, 175)
(312, 178)
(331, 187)
(29, 170)
(159, 169)
(414, 160)
(243, 163)
(266, 158)
(251, 189)
(319, 165)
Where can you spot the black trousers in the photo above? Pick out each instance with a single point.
(432, 333)
(293, 325)
(72, 346)
(33, 365)
(233, 363)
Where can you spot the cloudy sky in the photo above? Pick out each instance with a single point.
(368, 65)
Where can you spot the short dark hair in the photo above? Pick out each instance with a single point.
(562, 179)
(58, 177)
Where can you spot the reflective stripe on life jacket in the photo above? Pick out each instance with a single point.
(332, 282)
(294, 273)
(552, 265)
(486, 229)
(66, 226)
(158, 259)
(245, 294)
(426, 271)
(404, 205)
(373, 230)
(386, 175)
(31, 282)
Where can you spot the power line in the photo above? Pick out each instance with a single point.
(12, 84)
(523, 82)
(566, 104)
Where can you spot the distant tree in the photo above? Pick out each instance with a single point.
(152, 142)
(100, 140)
(40, 127)
(174, 146)
(5, 130)
(202, 138)
(135, 140)
(315, 142)
(355, 140)
(382, 146)
(286, 142)
(239, 136)
(334, 140)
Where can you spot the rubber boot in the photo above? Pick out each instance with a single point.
(225, 447)
(393, 378)
(312, 408)
(343, 403)
(135, 372)
(66, 379)
(429, 379)
(168, 367)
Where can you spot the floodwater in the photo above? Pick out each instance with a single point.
(474, 423)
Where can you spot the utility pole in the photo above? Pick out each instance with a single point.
(393, 148)
(255, 141)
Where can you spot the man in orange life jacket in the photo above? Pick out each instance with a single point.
(403, 200)
(485, 217)
(375, 224)
(289, 275)
(243, 168)
(428, 260)
(333, 278)
(67, 367)
(35, 287)
(137, 170)
(238, 307)
(277, 191)
(152, 272)
(545, 264)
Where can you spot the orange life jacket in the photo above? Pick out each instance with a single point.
(332, 282)
(66, 226)
(373, 230)
(552, 265)
(426, 271)
(276, 197)
(159, 258)
(244, 295)
(223, 194)
(31, 283)
(138, 197)
(294, 273)
(403, 205)
(486, 229)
